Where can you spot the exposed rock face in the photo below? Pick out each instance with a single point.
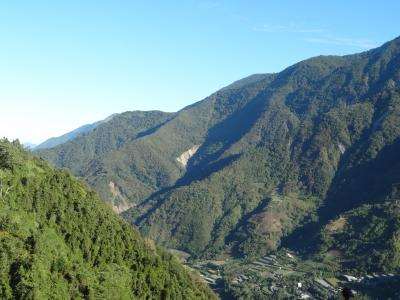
(119, 202)
(185, 156)
(342, 148)
(337, 225)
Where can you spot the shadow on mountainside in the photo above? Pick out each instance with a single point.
(370, 182)
(211, 156)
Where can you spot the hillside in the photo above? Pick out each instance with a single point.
(89, 156)
(58, 240)
(55, 141)
(267, 161)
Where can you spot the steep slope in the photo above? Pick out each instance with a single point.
(144, 160)
(83, 156)
(58, 240)
(305, 148)
(368, 234)
(55, 141)
(269, 159)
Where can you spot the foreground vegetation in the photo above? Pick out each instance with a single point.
(58, 240)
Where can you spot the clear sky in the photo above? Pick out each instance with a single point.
(65, 63)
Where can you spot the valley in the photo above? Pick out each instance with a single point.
(199, 150)
(305, 159)
(283, 275)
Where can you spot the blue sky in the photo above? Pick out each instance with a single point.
(65, 63)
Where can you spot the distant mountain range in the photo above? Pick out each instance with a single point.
(54, 141)
(307, 158)
(29, 145)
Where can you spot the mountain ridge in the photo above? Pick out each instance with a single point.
(55, 141)
(274, 151)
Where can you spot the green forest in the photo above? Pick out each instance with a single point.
(279, 157)
(59, 240)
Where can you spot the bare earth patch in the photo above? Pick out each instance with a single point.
(336, 226)
(334, 252)
(185, 156)
(270, 222)
(119, 202)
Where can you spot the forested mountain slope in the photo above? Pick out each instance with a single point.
(88, 156)
(272, 158)
(58, 240)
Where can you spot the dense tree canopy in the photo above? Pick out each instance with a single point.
(58, 240)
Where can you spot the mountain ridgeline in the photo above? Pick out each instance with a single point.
(307, 158)
(58, 240)
(95, 157)
(54, 141)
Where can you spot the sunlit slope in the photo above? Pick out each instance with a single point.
(58, 240)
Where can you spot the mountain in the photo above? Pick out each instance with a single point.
(29, 145)
(96, 157)
(289, 159)
(54, 141)
(58, 240)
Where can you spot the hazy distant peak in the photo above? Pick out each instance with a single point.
(29, 145)
(55, 141)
